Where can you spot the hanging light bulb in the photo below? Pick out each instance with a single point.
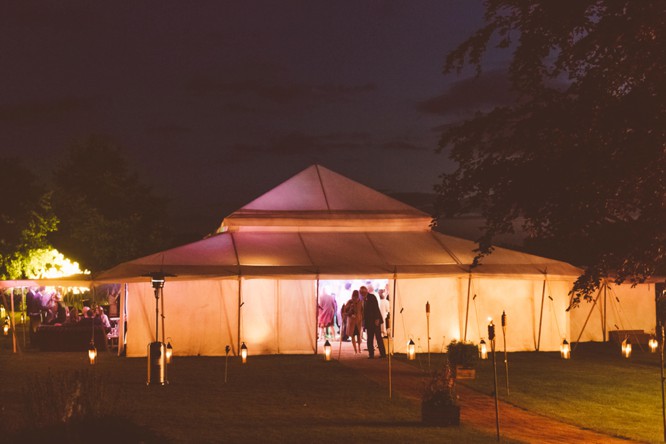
(327, 350)
(653, 343)
(92, 353)
(565, 350)
(243, 353)
(169, 352)
(483, 350)
(626, 348)
(411, 350)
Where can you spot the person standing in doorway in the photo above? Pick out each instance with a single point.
(354, 315)
(373, 323)
(384, 308)
(327, 309)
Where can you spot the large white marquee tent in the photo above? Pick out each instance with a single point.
(257, 280)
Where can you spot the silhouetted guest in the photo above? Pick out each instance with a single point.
(73, 317)
(33, 302)
(61, 310)
(103, 318)
(327, 309)
(89, 320)
(373, 321)
(354, 315)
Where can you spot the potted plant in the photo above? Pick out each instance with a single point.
(462, 357)
(438, 405)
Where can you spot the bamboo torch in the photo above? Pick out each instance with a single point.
(428, 327)
(506, 356)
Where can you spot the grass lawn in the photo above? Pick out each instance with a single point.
(271, 398)
(596, 389)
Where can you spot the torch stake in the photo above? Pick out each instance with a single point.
(428, 328)
(661, 356)
(226, 362)
(506, 356)
(491, 337)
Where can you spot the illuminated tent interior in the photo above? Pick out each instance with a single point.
(256, 280)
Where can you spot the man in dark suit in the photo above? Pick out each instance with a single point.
(373, 322)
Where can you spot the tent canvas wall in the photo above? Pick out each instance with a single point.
(256, 279)
(615, 307)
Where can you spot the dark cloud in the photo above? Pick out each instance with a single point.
(242, 108)
(298, 143)
(401, 145)
(169, 129)
(43, 111)
(279, 93)
(485, 92)
(239, 152)
(347, 137)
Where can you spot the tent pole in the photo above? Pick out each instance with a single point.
(13, 323)
(543, 294)
(316, 349)
(393, 304)
(469, 288)
(604, 327)
(240, 304)
(24, 311)
(277, 317)
(122, 319)
(587, 319)
(163, 333)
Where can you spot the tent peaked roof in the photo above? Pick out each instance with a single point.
(319, 223)
(318, 198)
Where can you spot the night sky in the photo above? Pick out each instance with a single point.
(216, 102)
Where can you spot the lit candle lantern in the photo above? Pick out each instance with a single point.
(169, 353)
(92, 353)
(565, 350)
(327, 350)
(483, 350)
(243, 353)
(653, 343)
(411, 350)
(5, 328)
(626, 348)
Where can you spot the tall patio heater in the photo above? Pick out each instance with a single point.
(156, 349)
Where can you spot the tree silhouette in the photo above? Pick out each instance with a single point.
(580, 156)
(107, 215)
(26, 216)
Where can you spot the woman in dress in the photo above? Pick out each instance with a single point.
(354, 313)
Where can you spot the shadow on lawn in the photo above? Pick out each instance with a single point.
(71, 407)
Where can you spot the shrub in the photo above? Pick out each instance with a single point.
(464, 354)
(440, 388)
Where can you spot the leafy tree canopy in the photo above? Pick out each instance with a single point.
(580, 156)
(108, 216)
(26, 217)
